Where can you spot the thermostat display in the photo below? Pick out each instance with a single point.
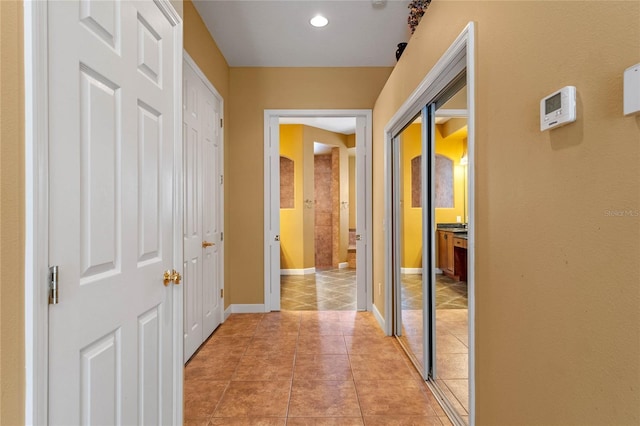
(559, 108)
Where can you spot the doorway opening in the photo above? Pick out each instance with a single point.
(317, 170)
(318, 213)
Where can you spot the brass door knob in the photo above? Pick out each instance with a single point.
(176, 277)
(206, 244)
(171, 276)
(167, 278)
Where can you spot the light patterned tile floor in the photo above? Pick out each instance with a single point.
(326, 290)
(305, 368)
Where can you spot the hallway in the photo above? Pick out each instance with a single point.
(305, 368)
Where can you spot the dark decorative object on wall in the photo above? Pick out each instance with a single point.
(400, 49)
(416, 10)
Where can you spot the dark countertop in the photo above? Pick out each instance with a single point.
(459, 229)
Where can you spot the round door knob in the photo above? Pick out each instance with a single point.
(167, 278)
(176, 277)
(171, 276)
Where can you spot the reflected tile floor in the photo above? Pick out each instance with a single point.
(305, 368)
(452, 337)
(326, 290)
(450, 294)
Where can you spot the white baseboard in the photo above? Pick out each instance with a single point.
(343, 265)
(438, 271)
(246, 309)
(411, 271)
(227, 312)
(307, 271)
(379, 318)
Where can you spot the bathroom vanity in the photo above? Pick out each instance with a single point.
(452, 250)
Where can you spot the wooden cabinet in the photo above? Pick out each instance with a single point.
(460, 242)
(445, 252)
(441, 251)
(452, 255)
(460, 258)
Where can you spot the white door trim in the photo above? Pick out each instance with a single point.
(460, 55)
(178, 207)
(37, 209)
(270, 114)
(189, 60)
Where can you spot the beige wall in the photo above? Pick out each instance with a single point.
(205, 52)
(253, 90)
(12, 378)
(557, 296)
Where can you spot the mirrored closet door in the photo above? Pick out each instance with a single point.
(430, 199)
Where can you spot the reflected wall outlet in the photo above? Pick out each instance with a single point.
(458, 219)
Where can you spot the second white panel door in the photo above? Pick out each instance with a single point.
(202, 218)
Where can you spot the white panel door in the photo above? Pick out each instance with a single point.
(111, 142)
(273, 222)
(202, 205)
(212, 223)
(192, 157)
(361, 212)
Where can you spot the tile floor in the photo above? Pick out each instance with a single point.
(326, 290)
(305, 368)
(452, 341)
(452, 357)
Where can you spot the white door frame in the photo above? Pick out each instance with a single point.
(36, 266)
(458, 57)
(189, 60)
(368, 237)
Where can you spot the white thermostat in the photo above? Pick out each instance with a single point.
(558, 109)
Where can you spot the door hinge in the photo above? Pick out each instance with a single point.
(221, 179)
(53, 285)
(221, 122)
(222, 236)
(221, 293)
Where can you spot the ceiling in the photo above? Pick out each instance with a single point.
(266, 33)
(344, 125)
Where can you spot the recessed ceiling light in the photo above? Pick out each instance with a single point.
(319, 21)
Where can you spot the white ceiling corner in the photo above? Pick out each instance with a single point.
(266, 33)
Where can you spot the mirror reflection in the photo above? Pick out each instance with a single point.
(450, 369)
(409, 166)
